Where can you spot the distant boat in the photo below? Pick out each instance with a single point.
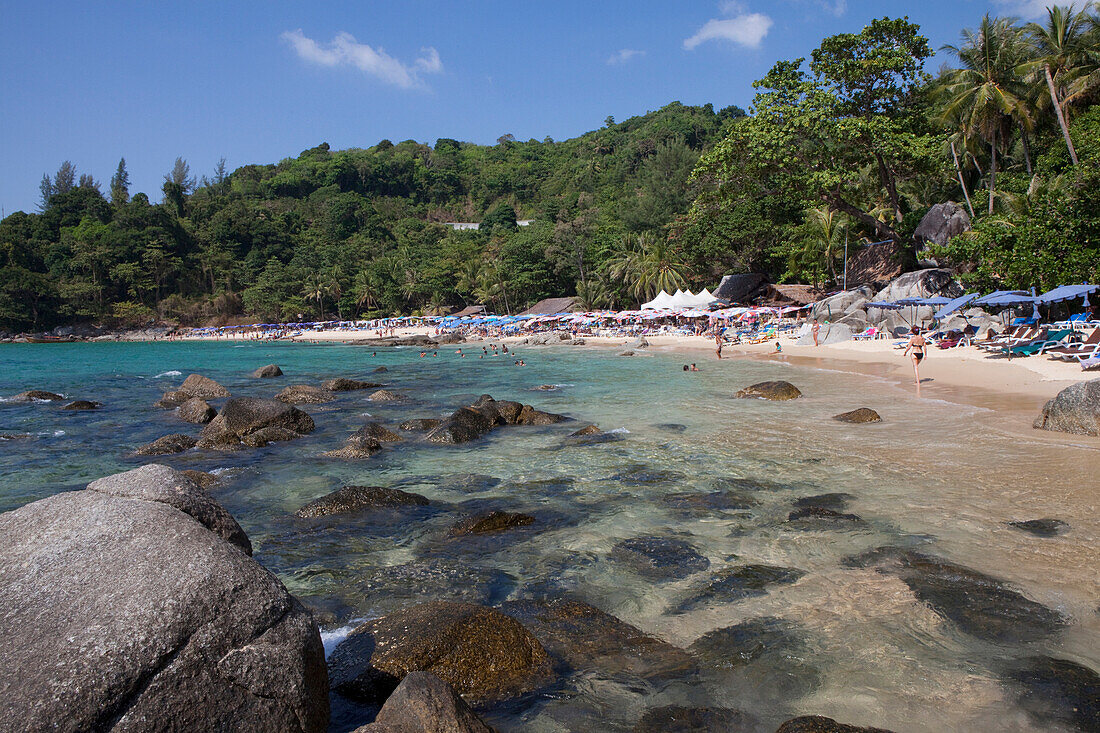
(50, 339)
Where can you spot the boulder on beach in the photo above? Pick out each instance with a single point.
(484, 654)
(343, 384)
(859, 415)
(490, 522)
(197, 385)
(775, 390)
(304, 394)
(134, 604)
(82, 405)
(355, 498)
(1076, 409)
(267, 372)
(242, 416)
(585, 638)
(174, 443)
(423, 703)
(196, 410)
(37, 395)
(830, 333)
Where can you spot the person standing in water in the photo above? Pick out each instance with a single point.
(718, 342)
(920, 348)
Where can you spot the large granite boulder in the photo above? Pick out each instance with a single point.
(134, 605)
(484, 654)
(939, 225)
(267, 372)
(920, 284)
(741, 288)
(304, 394)
(776, 390)
(846, 301)
(197, 385)
(197, 410)
(423, 703)
(1076, 409)
(242, 416)
(879, 264)
(830, 333)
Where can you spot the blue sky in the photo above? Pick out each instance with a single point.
(256, 82)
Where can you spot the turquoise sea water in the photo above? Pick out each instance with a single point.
(844, 640)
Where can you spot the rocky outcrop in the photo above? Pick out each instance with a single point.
(821, 724)
(37, 395)
(343, 384)
(469, 423)
(484, 654)
(197, 410)
(420, 424)
(82, 405)
(879, 264)
(776, 391)
(304, 394)
(920, 284)
(243, 416)
(829, 333)
(584, 638)
(356, 498)
(267, 372)
(174, 443)
(939, 225)
(859, 415)
(197, 385)
(1076, 409)
(659, 558)
(741, 288)
(134, 604)
(423, 703)
(490, 522)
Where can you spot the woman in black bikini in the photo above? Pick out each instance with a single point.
(919, 347)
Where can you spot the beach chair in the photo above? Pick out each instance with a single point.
(1077, 352)
(1036, 346)
(1023, 335)
(867, 335)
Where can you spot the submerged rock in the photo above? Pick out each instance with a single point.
(1051, 689)
(821, 724)
(264, 436)
(980, 605)
(1041, 527)
(745, 581)
(586, 430)
(174, 443)
(358, 446)
(379, 370)
(772, 648)
(80, 405)
(1076, 409)
(777, 390)
(140, 591)
(484, 654)
(383, 395)
(394, 587)
(713, 500)
(267, 372)
(420, 424)
(37, 395)
(356, 498)
(423, 703)
(469, 423)
(818, 517)
(379, 432)
(202, 479)
(242, 416)
(494, 521)
(680, 719)
(671, 427)
(304, 394)
(197, 410)
(660, 558)
(859, 415)
(642, 475)
(342, 384)
(584, 638)
(836, 501)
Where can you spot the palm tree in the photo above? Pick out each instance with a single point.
(316, 288)
(1061, 47)
(366, 288)
(825, 237)
(986, 94)
(335, 289)
(647, 265)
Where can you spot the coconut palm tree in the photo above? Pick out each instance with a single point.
(647, 265)
(825, 237)
(316, 288)
(1061, 49)
(366, 288)
(986, 95)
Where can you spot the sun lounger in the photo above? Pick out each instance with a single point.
(867, 335)
(1077, 352)
(1037, 346)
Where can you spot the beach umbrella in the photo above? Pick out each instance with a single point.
(954, 305)
(1069, 292)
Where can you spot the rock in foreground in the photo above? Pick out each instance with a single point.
(267, 372)
(342, 384)
(174, 443)
(469, 423)
(243, 416)
(355, 498)
(482, 653)
(777, 391)
(132, 605)
(423, 703)
(859, 415)
(821, 724)
(490, 522)
(197, 410)
(197, 385)
(1076, 409)
(304, 394)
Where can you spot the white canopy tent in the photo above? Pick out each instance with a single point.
(682, 299)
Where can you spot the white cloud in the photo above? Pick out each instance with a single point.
(623, 55)
(837, 7)
(344, 50)
(1029, 9)
(745, 30)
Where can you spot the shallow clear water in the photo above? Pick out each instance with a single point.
(851, 642)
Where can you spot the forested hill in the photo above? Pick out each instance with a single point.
(354, 232)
